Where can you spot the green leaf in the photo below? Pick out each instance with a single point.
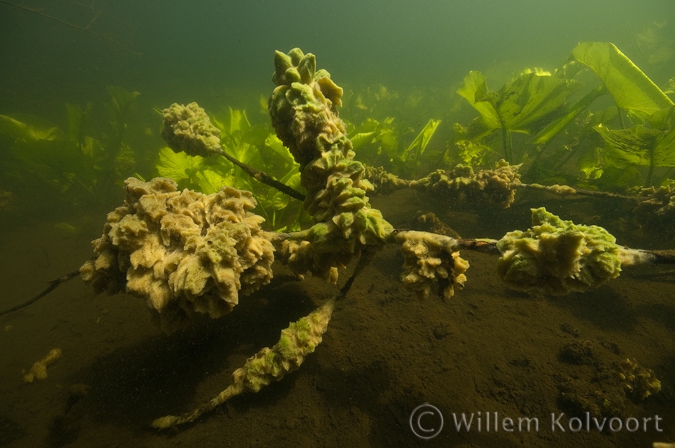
(76, 118)
(92, 148)
(664, 152)
(125, 160)
(29, 128)
(210, 181)
(362, 139)
(121, 100)
(642, 146)
(469, 152)
(177, 166)
(531, 97)
(245, 153)
(554, 127)
(591, 163)
(419, 145)
(365, 134)
(473, 88)
(273, 142)
(235, 122)
(238, 120)
(280, 200)
(627, 147)
(671, 86)
(629, 86)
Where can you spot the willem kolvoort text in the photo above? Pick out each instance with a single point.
(558, 422)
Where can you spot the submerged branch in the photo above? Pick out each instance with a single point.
(265, 178)
(52, 286)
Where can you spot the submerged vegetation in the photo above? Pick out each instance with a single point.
(562, 133)
(597, 122)
(78, 165)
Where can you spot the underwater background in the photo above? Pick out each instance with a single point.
(82, 87)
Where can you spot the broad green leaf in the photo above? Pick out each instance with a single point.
(664, 152)
(364, 134)
(76, 118)
(28, 127)
(663, 119)
(362, 138)
(617, 179)
(476, 130)
(469, 152)
(419, 145)
(91, 147)
(279, 201)
(243, 152)
(177, 166)
(627, 147)
(238, 120)
(671, 86)
(639, 145)
(529, 98)
(554, 127)
(602, 116)
(591, 163)
(273, 142)
(125, 160)
(472, 89)
(121, 100)
(210, 181)
(629, 86)
(262, 100)
(68, 228)
(293, 179)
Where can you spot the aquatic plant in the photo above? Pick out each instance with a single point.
(83, 163)
(251, 145)
(653, 145)
(393, 129)
(536, 103)
(519, 106)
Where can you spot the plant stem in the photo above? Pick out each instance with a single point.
(650, 173)
(52, 286)
(263, 177)
(507, 144)
(621, 118)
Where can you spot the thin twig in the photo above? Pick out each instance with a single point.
(52, 286)
(366, 257)
(263, 177)
(562, 190)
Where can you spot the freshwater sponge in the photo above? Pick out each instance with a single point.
(188, 128)
(462, 186)
(268, 365)
(184, 252)
(557, 256)
(431, 263)
(303, 108)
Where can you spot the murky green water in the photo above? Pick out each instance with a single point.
(83, 87)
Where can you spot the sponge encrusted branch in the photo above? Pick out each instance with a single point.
(303, 108)
(432, 263)
(556, 256)
(184, 252)
(189, 129)
(269, 364)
